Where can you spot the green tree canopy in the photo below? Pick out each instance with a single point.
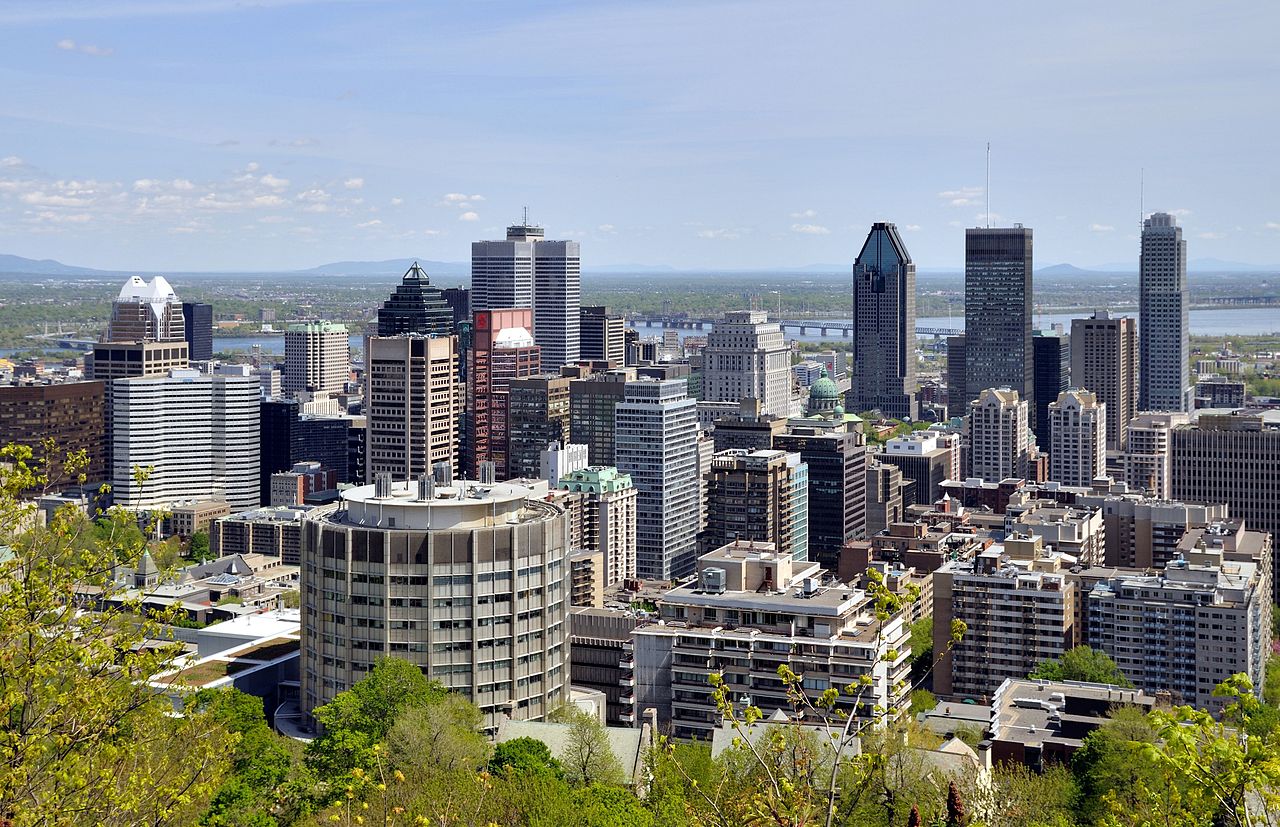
(523, 755)
(1082, 664)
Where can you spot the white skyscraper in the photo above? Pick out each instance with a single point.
(146, 311)
(199, 434)
(656, 433)
(747, 356)
(317, 358)
(526, 270)
(1078, 450)
(1164, 381)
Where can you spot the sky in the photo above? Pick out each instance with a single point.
(193, 135)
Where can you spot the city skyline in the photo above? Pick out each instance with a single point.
(219, 152)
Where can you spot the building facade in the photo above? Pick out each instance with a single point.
(317, 358)
(1051, 365)
(416, 306)
(884, 326)
(1164, 348)
(538, 416)
(502, 350)
(1104, 359)
(1078, 452)
(197, 326)
(837, 466)
(1145, 460)
(412, 404)
(602, 336)
(747, 356)
(762, 496)
(71, 414)
(609, 514)
(997, 311)
(146, 311)
(1000, 443)
(592, 401)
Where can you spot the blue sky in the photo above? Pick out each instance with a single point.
(206, 135)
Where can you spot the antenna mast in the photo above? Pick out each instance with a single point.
(525, 219)
(988, 187)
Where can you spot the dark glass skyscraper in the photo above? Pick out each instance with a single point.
(415, 307)
(997, 310)
(1051, 357)
(288, 436)
(884, 326)
(198, 330)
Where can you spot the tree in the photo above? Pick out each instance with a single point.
(588, 758)
(1113, 768)
(1082, 664)
(199, 547)
(84, 738)
(955, 806)
(922, 700)
(444, 735)
(521, 756)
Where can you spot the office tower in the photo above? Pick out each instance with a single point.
(602, 336)
(1078, 453)
(537, 416)
(748, 428)
(469, 583)
(657, 432)
(1019, 604)
(317, 358)
(412, 403)
(957, 390)
(304, 479)
(502, 349)
(609, 514)
(1145, 460)
(927, 459)
(70, 414)
(199, 434)
(1232, 459)
(459, 301)
(146, 312)
(1000, 444)
(591, 421)
(753, 495)
(884, 326)
(197, 326)
(527, 271)
(290, 436)
(751, 610)
(1051, 361)
(416, 306)
(118, 360)
(884, 495)
(1154, 625)
(1104, 359)
(997, 311)
(1163, 346)
(747, 356)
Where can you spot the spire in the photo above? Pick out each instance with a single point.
(416, 272)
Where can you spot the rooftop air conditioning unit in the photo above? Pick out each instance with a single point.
(713, 580)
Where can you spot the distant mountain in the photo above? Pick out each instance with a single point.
(1065, 270)
(43, 267)
(394, 267)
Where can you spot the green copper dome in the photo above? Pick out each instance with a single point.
(824, 396)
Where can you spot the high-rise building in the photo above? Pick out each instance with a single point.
(608, 513)
(1164, 351)
(197, 325)
(837, 461)
(526, 270)
(762, 496)
(411, 405)
(537, 416)
(198, 433)
(290, 436)
(1140, 532)
(304, 479)
(468, 582)
(747, 356)
(502, 349)
(957, 389)
(416, 306)
(1000, 444)
(602, 335)
(119, 360)
(70, 414)
(459, 301)
(997, 311)
(1214, 391)
(557, 461)
(146, 312)
(1104, 359)
(884, 495)
(927, 459)
(748, 428)
(1078, 452)
(317, 358)
(1146, 457)
(884, 326)
(1051, 362)
(1232, 459)
(591, 403)
(656, 444)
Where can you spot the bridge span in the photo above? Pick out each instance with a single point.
(815, 327)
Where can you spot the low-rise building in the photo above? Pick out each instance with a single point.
(275, 531)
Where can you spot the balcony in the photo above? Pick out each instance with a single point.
(628, 681)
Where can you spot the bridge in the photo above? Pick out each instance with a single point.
(818, 327)
(64, 340)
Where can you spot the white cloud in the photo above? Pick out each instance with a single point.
(364, 225)
(912, 228)
(11, 161)
(431, 232)
(469, 216)
(268, 201)
(40, 199)
(353, 183)
(810, 229)
(607, 228)
(272, 181)
(69, 45)
(805, 214)
(395, 202)
(459, 198)
(963, 197)
(145, 185)
(722, 233)
(1273, 225)
(274, 219)
(252, 166)
(1180, 212)
(1101, 228)
(296, 143)
(1211, 236)
(63, 218)
(183, 184)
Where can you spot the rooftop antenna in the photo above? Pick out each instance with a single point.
(525, 220)
(988, 187)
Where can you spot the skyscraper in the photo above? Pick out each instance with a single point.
(884, 326)
(1104, 359)
(762, 496)
(527, 271)
(747, 356)
(1051, 361)
(1078, 452)
(537, 416)
(602, 336)
(997, 311)
(146, 311)
(317, 358)
(412, 405)
(657, 433)
(290, 436)
(1000, 444)
(1164, 382)
(415, 307)
(591, 421)
(197, 323)
(502, 350)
